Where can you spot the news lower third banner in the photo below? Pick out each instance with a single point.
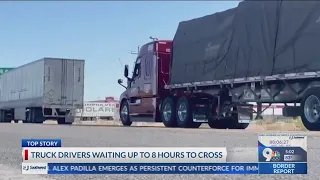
(45, 156)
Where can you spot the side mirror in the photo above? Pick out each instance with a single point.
(126, 71)
(120, 81)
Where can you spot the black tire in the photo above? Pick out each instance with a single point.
(214, 123)
(3, 117)
(168, 119)
(186, 122)
(228, 122)
(217, 124)
(242, 125)
(125, 119)
(234, 124)
(311, 125)
(60, 120)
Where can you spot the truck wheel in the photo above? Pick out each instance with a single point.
(234, 124)
(62, 120)
(217, 124)
(184, 114)
(2, 116)
(168, 113)
(124, 114)
(311, 110)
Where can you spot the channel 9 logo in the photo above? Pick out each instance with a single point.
(271, 155)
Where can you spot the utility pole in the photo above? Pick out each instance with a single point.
(120, 62)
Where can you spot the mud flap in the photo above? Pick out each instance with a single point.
(245, 113)
(200, 113)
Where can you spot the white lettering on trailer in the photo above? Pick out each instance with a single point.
(97, 110)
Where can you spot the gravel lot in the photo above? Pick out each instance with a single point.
(234, 140)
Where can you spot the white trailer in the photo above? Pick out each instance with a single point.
(97, 110)
(49, 88)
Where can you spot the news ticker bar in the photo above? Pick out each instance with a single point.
(164, 168)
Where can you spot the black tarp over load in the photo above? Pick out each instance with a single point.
(257, 38)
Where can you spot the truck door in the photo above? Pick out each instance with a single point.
(135, 85)
(146, 91)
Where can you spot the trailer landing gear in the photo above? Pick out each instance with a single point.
(259, 111)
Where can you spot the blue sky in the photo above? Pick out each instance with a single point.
(99, 32)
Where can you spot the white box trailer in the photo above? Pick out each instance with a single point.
(49, 88)
(97, 110)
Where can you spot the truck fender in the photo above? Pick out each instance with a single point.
(308, 89)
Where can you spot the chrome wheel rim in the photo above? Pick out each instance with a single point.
(182, 111)
(167, 112)
(312, 109)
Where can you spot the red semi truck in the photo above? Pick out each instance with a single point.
(148, 95)
(216, 65)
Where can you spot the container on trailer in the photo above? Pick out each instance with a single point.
(47, 83)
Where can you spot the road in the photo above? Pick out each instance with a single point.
(235, 140)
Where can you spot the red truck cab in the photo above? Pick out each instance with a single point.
(145, 88)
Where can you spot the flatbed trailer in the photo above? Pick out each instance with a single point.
(217, 65)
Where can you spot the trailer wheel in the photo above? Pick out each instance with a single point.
(311, 110)
(217, 124)
(124, 114)
(184, 114)
(168, 113)
(3, 116)
(234, 124)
